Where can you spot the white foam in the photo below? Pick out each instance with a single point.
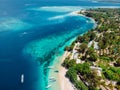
(63, 16)
(57, 17)
(13, 24)
(61, 9)
(57, 8)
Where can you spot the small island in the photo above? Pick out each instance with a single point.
(93, 59)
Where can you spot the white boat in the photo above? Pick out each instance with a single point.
(48, 86)
(22, 78)
(52, 78)
(50, 67)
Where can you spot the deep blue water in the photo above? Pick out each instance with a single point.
(31, 32)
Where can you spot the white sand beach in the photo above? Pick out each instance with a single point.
(64, 82)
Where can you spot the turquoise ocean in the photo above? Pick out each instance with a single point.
(33, 33)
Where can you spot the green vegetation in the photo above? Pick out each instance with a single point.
(93, 80)
(68, 63)
(112, 73)
(69, 48)
(80, 85)
(83, 68)
(118, 62)
(104, 60)
(90, 50)
(83, 47)
(73, 71)
(72, 74)
(93, 57)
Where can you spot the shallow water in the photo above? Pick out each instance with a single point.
(32, 34)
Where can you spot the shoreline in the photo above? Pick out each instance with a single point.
(62, 82)
(57, 67)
